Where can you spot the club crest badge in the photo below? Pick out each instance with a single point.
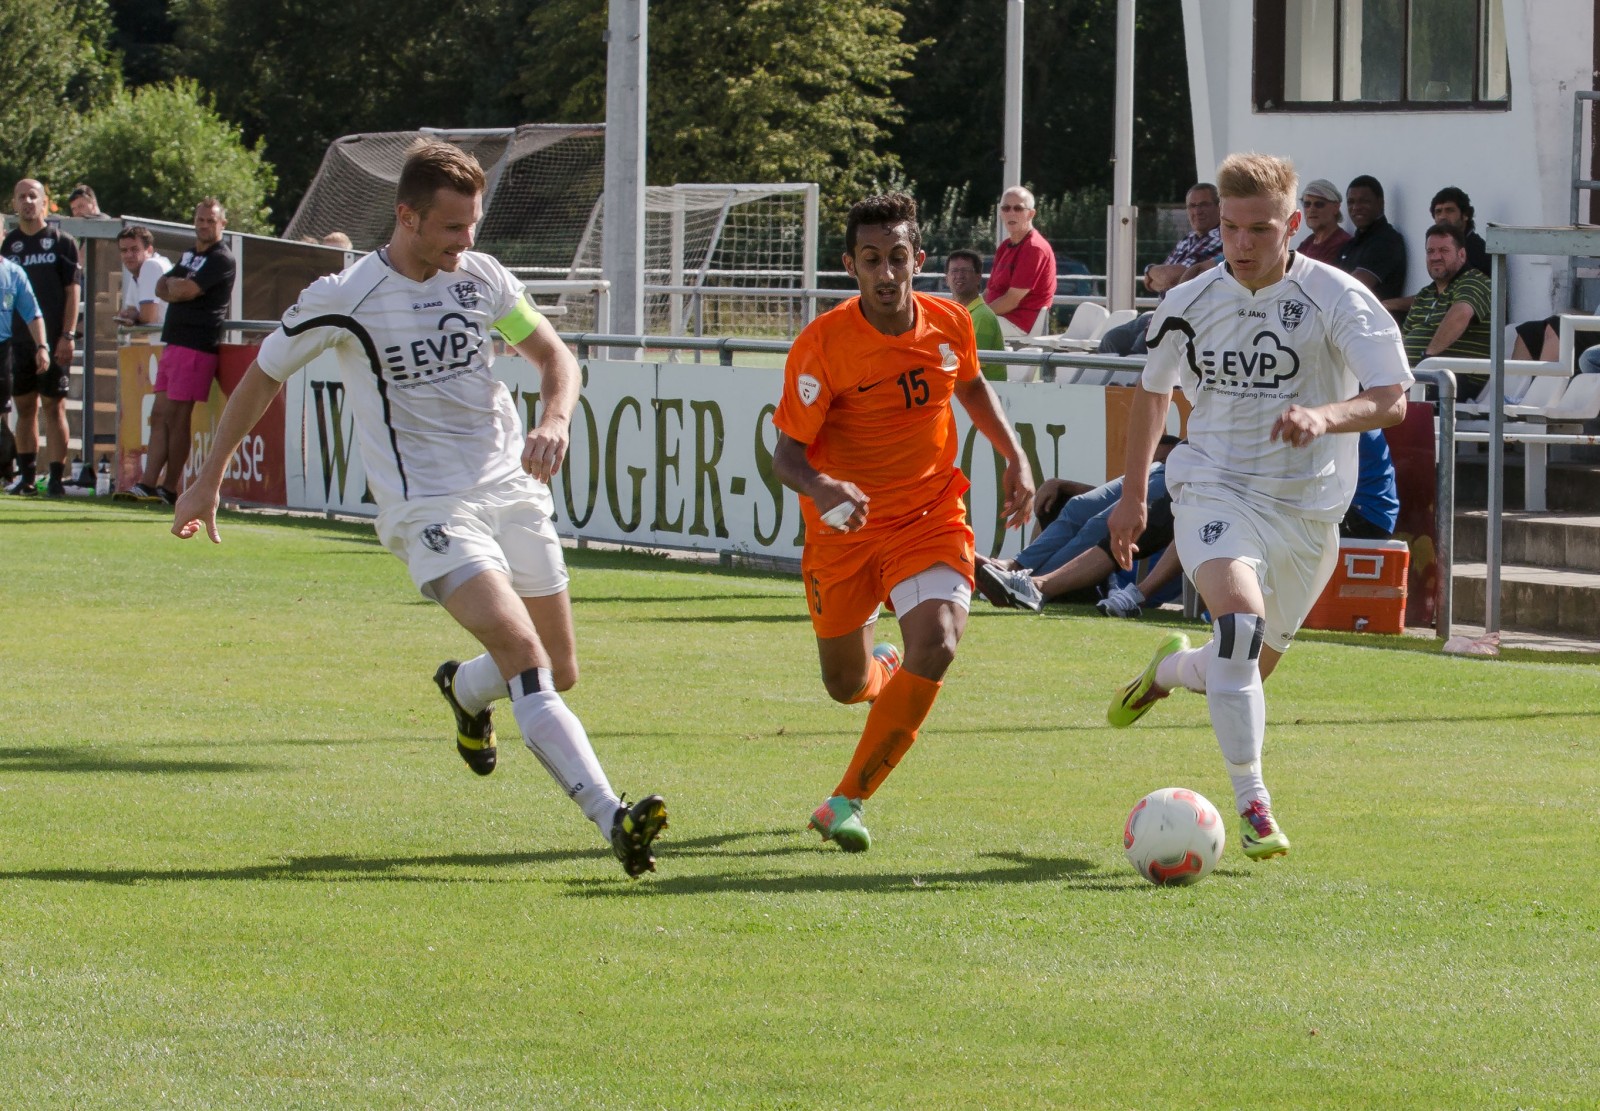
(46, 243)
(948, 356)
(436, 539)
(1211, 533)
(1291, 314)
(465, 293)
(809, 388)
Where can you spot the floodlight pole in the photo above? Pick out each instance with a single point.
(1122, 218)
(622, 245)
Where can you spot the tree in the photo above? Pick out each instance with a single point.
(740, 90)
(54, 64)
(298, 74)
(157, 150)
(954, 100)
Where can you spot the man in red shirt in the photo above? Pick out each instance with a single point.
(1022, 281)
(867, 437)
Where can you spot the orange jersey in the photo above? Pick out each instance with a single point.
(875, 409)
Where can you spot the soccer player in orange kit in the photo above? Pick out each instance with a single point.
(867, 437)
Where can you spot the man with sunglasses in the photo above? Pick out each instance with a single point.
(1022, 281)
(1320, 201)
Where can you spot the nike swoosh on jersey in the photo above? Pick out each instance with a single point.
(864, 389)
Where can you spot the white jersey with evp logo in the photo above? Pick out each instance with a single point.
(415, 359)
(1316, 337)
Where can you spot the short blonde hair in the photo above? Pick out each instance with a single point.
(1259, 175)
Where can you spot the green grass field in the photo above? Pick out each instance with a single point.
(242, 866)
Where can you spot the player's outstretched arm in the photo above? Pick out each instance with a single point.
(1378, 407)
(978, 399)
(559, 381)
(197, 505)
(827, 493)
(1146, 421)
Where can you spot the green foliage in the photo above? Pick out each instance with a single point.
(54, 65)
(156, 151)
(258, 875)
(954, 101)
(741, 90)
(298, 74)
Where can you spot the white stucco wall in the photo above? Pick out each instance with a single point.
(1516, 165)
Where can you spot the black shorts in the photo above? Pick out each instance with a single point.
(5, 377)
(26, 379)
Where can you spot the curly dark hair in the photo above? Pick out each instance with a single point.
(887, 210)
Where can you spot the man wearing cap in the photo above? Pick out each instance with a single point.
(1320, 200)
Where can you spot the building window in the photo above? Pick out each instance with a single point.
(1420, 55)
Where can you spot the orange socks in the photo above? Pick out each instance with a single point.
(877, 676)
(901, 707)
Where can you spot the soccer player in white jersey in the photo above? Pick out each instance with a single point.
(463, 497)
(1285, 358)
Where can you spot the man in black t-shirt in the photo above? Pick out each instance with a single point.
(50, 257)
(1376, 255)
(198, 291)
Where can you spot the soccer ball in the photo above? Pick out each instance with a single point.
(1173, 836)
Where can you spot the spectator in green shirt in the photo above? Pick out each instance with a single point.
(963, 273)
(1449, 315)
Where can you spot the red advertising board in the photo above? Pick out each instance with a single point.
(256, 472)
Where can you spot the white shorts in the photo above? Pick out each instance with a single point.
(444, 541)
(1293, 557)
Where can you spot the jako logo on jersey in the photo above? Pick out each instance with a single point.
(1267, 367)
(1211, 533)
(436, 539)
(418, 306)
(809, 388)
(1291, 314)
(465, 293)
(16, 247)
(950, 362)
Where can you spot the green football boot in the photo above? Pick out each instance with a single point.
(839, 819)
(1260, 837)
(1138, 696)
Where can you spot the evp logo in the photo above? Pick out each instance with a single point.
(1266, 366)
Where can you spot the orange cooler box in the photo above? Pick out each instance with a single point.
(1368, 590)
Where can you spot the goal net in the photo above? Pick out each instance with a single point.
(718, 258)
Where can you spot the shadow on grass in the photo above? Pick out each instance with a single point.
(71, 759)
(1002, 868)
(332, 868)
(1434, 719)
(674, 599)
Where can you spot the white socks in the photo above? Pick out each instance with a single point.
(478, 683)
(1238, 706)
(1185, 669)
(554, 734)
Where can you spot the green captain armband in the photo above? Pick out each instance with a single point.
(518, 324)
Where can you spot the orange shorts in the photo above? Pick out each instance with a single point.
(847, 576)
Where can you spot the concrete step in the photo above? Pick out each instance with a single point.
(1535, 598)
(1557, 541)
(1569, 487)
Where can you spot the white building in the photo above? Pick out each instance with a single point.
(1419, 93)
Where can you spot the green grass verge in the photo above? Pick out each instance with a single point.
(242, 866)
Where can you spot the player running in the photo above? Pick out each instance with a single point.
(1285, 358)
(868, 438)
(463, 498)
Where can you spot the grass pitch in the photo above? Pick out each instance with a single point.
(242, 866)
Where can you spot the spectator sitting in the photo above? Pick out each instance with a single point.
(1453, 206)
(81, 202)
(1320, 201)
(963, 274)
(142, 268)
(338, 239)
(1376, 254)
(1022, 281)
(1074, 528)
(1449, 315)
(1203, 244)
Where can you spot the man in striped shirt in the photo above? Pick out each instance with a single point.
(1449, 315)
